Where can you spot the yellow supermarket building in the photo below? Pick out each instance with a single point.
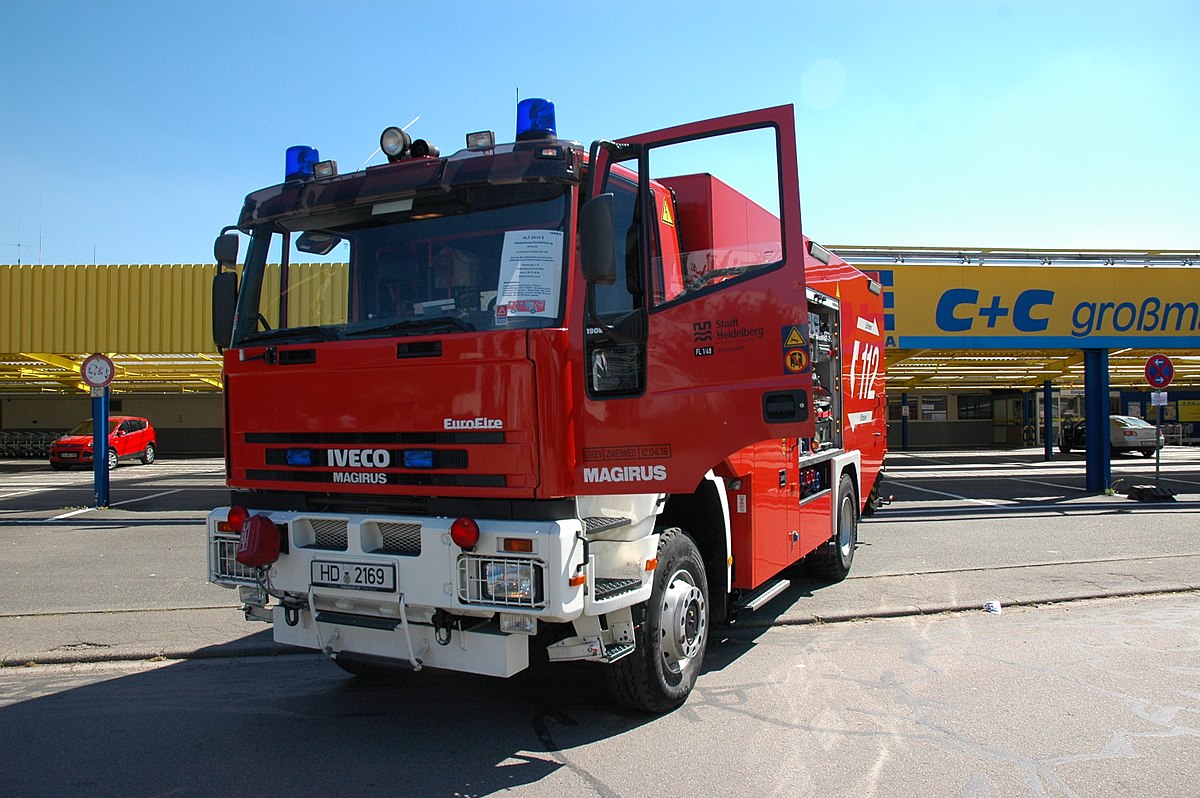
(977, 339)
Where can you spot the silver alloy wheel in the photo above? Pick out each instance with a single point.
(112, 459)
(684, 621)
(845, 539)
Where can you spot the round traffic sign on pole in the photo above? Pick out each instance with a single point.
(97, 370)
(1159, 371)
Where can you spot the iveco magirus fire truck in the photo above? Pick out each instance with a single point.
(536, 396)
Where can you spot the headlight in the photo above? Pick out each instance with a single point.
(512, 581)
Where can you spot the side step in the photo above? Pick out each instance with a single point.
(610, 588)
(602, 523)
(764, 594)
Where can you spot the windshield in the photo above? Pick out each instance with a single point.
(482, 258)
(85, 427)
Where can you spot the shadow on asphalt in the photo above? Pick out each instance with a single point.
(298, 725)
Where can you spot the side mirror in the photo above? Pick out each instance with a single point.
(596, 253)
(225, 250)
(224, 303)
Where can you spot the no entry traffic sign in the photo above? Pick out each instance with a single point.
(1159, 371)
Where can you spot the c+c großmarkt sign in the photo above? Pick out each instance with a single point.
(1050, 307)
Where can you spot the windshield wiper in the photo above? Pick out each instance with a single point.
(309, 333)
(433, 324)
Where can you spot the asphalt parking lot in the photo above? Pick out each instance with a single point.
(964, 528)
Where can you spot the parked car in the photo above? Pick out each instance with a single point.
(129, 438)
(1125, 434)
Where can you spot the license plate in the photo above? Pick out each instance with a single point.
(354, 575)
(68, 455)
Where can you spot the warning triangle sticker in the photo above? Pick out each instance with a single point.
(667, 216)
(794, 338)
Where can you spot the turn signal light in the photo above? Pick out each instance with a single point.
(259, 543)
(518, 545)
(465, 533)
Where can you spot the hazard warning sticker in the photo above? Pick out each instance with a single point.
(668, 218)
(795, 351)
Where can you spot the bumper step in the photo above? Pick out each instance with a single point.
(610, 588)
(361, 621)
(603, 523)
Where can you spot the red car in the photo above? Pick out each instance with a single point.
(129, 438)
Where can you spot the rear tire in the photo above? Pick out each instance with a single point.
(112, 459)
(670, 630)
(148, 455)
(834, 558)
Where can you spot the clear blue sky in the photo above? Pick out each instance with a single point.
(131, 131)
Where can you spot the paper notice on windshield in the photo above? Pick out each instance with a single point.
(530, 274)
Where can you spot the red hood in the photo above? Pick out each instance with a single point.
(350, 410)
(74, 440)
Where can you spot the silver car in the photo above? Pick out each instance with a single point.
(1125, 434)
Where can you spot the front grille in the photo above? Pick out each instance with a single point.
(224, 561)
(400, 539)
(473, 581)
(328, 534)
(380, 478)
(442, 458)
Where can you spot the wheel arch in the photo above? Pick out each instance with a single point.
(704, 515)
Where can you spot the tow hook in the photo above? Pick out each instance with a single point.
(443, 627)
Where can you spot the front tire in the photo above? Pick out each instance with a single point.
(148, 455)
(112, 459)
(670, 631)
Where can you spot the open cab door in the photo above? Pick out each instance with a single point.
(697, 319)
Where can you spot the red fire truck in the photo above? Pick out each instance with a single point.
(532, 396)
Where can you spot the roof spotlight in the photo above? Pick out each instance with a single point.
(395, 143)
(423, 149)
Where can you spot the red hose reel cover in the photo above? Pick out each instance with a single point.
(259, 542)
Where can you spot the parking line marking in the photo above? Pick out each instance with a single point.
(953, 495)
(118, 504)
(1048, 484)
(73, 512)
(151, 496)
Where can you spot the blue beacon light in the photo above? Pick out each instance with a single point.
(300, 162)
(535, 119)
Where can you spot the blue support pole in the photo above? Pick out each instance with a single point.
(100, 444)
(1048, 419)
(1095, 400)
